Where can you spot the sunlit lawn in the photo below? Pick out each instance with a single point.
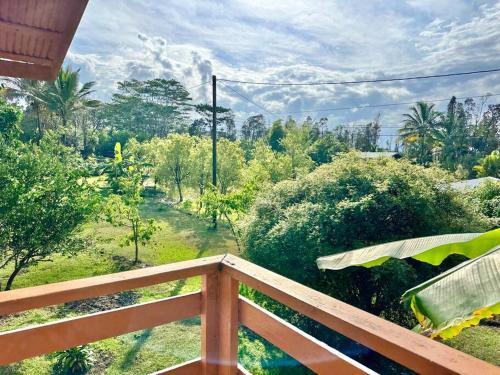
(180, 237)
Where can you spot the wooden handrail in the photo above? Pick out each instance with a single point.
(64, 334)
(222, 310)
(414, 351)
(307, 350)
(52, 294)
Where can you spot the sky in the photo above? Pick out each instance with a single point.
(295, 41)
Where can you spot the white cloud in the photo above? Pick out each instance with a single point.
(295, 41)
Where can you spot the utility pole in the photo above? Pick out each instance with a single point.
(214, 142)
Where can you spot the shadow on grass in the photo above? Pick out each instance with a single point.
(195, 229)
(131, 355)
(179, 284)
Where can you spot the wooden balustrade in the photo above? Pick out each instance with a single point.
(222, 311)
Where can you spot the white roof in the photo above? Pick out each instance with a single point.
(471, 184)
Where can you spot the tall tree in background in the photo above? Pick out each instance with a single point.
(226, 128)
(32, 92)
(417, 129)
(253, 128)
(276, 134)
(64, 96)
(156, 107)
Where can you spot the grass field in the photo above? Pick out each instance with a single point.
(180, 237)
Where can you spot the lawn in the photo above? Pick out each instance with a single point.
(181, 236)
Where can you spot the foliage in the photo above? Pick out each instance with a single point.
(296, 144)
(123, 210)
(45, 201)
(226, 128)
(486, 198)
(325, 148)
(416, 131)
(276, 134)
(156, 107)
(230, 162)
(74, 361)
(432, 250)
(348, 204)
(268, 166)
(253, 128)
(459, 297)
(174, 166)
(10, 116)
(64, 96)
(489, 165)
(201, 164)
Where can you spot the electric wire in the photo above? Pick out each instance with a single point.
(249, 100)
(376, 80)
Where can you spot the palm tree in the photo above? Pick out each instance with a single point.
(417, 128)
(64, 96)
(32, 92)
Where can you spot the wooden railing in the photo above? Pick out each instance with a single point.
(222, 312)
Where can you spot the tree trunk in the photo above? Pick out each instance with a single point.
(136, 243)
(12, 276)
(180, 191)
(39, 123)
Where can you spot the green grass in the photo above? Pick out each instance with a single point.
(482, 342)
(181, 237)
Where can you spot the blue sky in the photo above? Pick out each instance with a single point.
(294, 41)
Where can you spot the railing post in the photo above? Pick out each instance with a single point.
(219, 324)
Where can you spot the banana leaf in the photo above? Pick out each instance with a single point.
(431, 250)
(459, 297)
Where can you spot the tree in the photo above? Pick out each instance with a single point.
(226, 127)
(267, 166)
(175, 164)
(201, 164)
(348, 204)
(230, 162)
(276, 134)
(325, 148)
(32, 92)
(296, 143)
(416, 131)
(123, 210)
(10, 116)
(489, 165)
(64, 96)
(45, 200)
(253, 128)
(151, 108)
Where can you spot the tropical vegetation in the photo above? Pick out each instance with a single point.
(287, 192)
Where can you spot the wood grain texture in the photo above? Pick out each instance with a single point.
(52, 294)
(414, 351)
(47, 338)
(36, 38)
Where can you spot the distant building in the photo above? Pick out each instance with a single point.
(471, 184)
(381, 154)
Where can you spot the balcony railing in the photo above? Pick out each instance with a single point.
(222, 311)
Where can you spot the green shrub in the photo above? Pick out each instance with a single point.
(74, 361)
(352, 203)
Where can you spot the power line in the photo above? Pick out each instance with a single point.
(193, 87)
(386, 105)
(362, 81)
(248, 99)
